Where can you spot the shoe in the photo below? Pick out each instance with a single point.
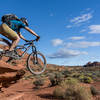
(7, 52)
(12, 54)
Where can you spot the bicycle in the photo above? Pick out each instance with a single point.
(36, 61)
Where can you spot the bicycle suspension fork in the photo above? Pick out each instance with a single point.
(35, 54)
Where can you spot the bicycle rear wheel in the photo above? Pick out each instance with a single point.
(36, 63)
(4, 44)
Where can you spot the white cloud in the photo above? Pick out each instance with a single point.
(68, 26)
(82, 18)
(95, 29)
(65, 53)
(77, 38)
(57, 42)
(83, 44)
(88, 9)
(83, 30)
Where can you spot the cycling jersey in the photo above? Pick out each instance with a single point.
(16, 25)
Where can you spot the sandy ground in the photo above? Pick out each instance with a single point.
(24, 90)
(21, 89)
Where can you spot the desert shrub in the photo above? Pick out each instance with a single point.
(69, 80)
(85, 79)
(26, 77)
(75, 75)
(94, 77)
(56, 78)
(66, 73)
(58, 93)
(71, 89)
(52, 80)
(88, 74)
(14, 63)
(93, 90)
(77, 93)
(38, 83)
(91, 74)
(97, 73)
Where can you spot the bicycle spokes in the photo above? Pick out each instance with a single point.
(36, 63)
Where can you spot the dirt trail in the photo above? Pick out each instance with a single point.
(14, 87)
(23, 90)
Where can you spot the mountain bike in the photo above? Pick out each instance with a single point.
(36, 61)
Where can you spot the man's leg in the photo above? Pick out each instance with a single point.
(10, 34)
(14, 43)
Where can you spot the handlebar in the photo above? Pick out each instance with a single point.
(29, 42)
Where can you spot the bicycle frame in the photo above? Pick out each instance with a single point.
(26, 48)
(35, 58)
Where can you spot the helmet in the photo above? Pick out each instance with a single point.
(24, 20)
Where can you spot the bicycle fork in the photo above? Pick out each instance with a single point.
(35, 58)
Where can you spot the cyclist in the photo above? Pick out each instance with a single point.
(13, 33)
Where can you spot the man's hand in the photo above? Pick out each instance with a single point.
(38, 37)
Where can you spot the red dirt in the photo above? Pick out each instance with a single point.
(23, 90)
(13, 88)
(20, 89)
(96, 85)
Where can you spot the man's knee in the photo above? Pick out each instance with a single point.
(16, 39)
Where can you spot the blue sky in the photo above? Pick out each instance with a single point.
(69, 29)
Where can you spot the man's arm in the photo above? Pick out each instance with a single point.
(20, 35)
(31, 31)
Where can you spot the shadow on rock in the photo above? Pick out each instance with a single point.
(6, 70)
(7, 81)
(47, 96)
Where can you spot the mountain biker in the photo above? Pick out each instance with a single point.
(13, 33)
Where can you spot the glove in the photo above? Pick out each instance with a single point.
(38, 37)
(26, 40)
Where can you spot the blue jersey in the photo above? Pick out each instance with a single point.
(16, 25)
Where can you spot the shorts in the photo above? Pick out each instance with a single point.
(6, 31)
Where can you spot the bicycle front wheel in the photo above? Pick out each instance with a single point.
(36, 63)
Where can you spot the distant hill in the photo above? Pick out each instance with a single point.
(92, 64)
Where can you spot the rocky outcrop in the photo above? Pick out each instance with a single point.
(9, 74)
(94, 64)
